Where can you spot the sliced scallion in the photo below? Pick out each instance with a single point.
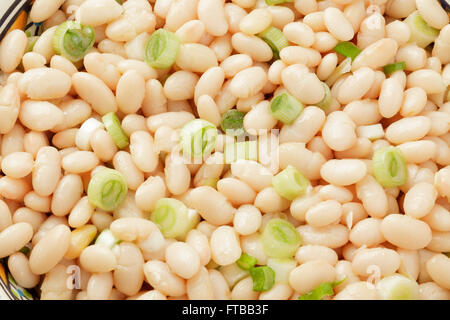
(282, 268)
(389, 167)
(325, 289)
(325, 103)
(173, 218)
(107, 238)
(263, 278)
(244, 150)
(391, 68)
(280, 239)
(162, 49)
(73, 40)
(290, 183)
(276, 40)
(107, 189)
(397, 287)
(246, 261)
(275, 2)
(421, 33)
(114, 129)
(347, 49)
(233, 122)
(232, 274)
(344, 67)
(285, 108)
(198, 138)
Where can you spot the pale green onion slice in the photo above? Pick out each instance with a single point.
(275, 39)
(344, 67)
(397, 287)
(275, 2)
(421, 33)
(107, 189)
(233, 122)
(114, 129)
(263, 278)
(162, 49)
(290, 183)
(393, 67)
(73, 40)
(232, 274)
(173, 218)
(389, 167)
(246, 261)
(286, 108)
(31, 42)
(282, 268)
(325, 103)
(198, 138)
(244, 150)
(107, 238)
(280, 239)
(325, 289)
(347, 49)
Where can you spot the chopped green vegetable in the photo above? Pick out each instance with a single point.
(280, 239)
(397, 287)
(290, 183)
(173, 218)
(246, 261)
(275, 2)
(25, 250)
(107, 189)
(232, 274)
(286, 108)
(244, 150)
(421, 33)
(263, 278)
(198, 138)
(73, 40)
(391, 68)
(347, 49)
(114, 129)
(325, 289)
(31, 42)
(276, 40)
(389, 167)
(282, 268)
(325, 103)
(162, 49)
(233, 122)
(107, 238)
(344, 67)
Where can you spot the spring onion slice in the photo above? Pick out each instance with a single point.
(280, 239)
(107, 189)
(276, 40)
(325, 103)
(114, 129)
(31, 42)
(263, 278)
(198, 137)
(347, 49)
(325, 289)
(244, 150)
(344, 67)
(173, 218)
(275, 2)
(421, 33)
(246, 261)
(107, 238)
(232, 274)
(282, 268)
(389, 167)
(73, 40)
(286, 108)
(162, 49)
(290, 183)
(397, 287)
(233, 122)
(391, 68)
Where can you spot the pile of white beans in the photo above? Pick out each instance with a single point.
(350, 225)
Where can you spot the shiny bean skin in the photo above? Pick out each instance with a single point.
(129, 276)
(67, 193)
(158, 274)
(310, 274)
(14, 237)
(19, 267)
(406, 232)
